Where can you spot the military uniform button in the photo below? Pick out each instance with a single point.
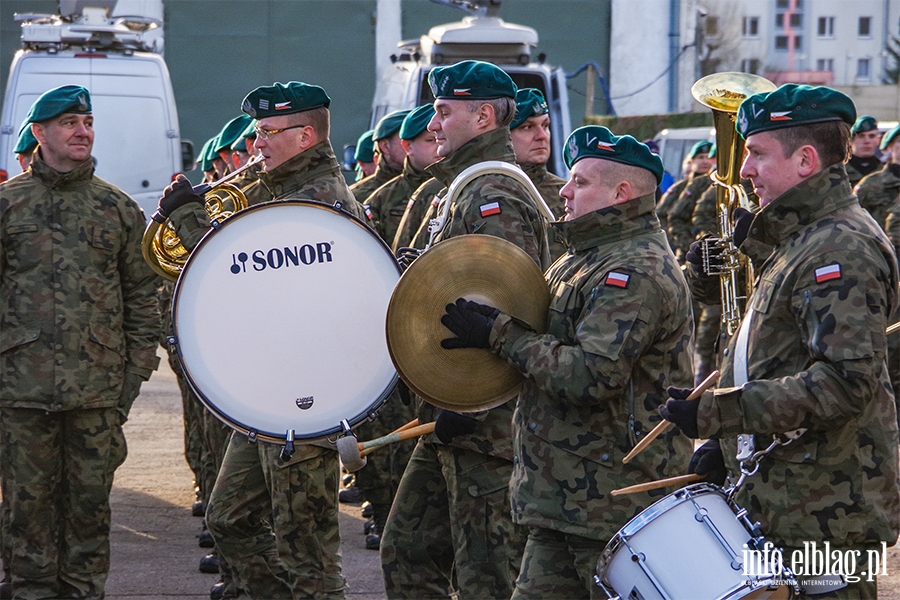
(59, 362)
(532, 426)
(604, 457)
(473, 490)
(515, 460)
(725, 352)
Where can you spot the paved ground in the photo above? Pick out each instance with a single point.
(154, 537)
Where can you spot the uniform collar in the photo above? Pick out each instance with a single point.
(292, 174)
(493, 145)
(609, 225)
(54, 179)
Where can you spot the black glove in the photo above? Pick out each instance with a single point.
(406, 256)
(704, 287)
(179, 193)
(471, 322)
(450, 424)
(742, 220)
(680, 411)
(131, 387)
(708, 460)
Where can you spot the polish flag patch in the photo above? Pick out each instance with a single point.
(410, 204)
(780, 116)
(608, 146)
(828, 273)
(492, 208)
(462, 92)
(282, 105)
(617, 279)
(368, 211)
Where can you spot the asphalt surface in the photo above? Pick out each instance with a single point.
(155, 554)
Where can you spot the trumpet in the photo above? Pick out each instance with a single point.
(161, 246)
(723, 93)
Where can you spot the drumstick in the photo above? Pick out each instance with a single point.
(397, 436)
(652, 485)
(411, 424)
(663, 425)
(892, 328)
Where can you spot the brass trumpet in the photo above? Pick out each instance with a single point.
(161, 246)
(723, 93)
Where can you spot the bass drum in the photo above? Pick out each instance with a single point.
(278, 318)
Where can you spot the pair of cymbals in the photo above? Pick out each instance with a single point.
(481, 268)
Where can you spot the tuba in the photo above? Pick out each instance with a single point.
(161, 246)
(723, 93)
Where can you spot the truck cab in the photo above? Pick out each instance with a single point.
(114, 49)
(479, 36)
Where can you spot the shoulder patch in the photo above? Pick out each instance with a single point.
(491, 208)
(368, 211)
(617, 279)
(828, 273)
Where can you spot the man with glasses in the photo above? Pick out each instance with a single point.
(276, 521)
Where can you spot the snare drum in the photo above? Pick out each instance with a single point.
(690, 544)
(278, 319)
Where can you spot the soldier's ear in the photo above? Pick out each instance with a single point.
(37, 130)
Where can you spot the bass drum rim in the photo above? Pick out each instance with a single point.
(236, 424)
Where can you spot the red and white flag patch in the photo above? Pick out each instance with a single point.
(828, 273)
(368, 211)
(617, 279)
(282, 105)
(780, 116)
(491, 208)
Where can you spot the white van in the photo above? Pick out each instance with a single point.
(674, 145)
(482, 36)
(137, 145)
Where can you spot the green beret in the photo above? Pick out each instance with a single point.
(792, 105)
(888, 137)
(594, 141)
(864, 124)
(529, 102)
(249, 132)
(365, 148)
(471, 80)
(210, 152)
(712, 151)
(416, 122)
(284, 99)
(231, 132)
(701, 147)
(389, 124)
(203, 162)
(27, 141)
(64, 99)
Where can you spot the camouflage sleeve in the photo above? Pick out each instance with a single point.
(140, 302)
(191, 223)
(841, 324)
(891, 226)
(614, 328)
(705, 220)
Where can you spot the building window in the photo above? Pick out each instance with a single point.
(865, 27)
(796, 21)
(786, 4)
(863, 68)
(825, 64)
(750, 65)
(781, 42)
(750, 27)
(826, 27)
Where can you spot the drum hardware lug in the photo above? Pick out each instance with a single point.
(338, 205)
(215, 224)
(345, 427)
(288, 451)
(172, 340)
(372, 415)
(251, 437)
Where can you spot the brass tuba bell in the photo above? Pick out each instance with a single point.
(161, 246)
(723, 93)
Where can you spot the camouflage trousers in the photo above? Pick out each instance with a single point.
(379, 479)
(559, 565)
(276, 522)
(709, 321)
(57, 472)
(450, 527)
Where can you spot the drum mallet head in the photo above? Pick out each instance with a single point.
(348, 449)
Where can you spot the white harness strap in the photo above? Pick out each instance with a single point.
(745, 444)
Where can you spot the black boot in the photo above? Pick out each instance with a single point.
(381, 512)
(210, 563)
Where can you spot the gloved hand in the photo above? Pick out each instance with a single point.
(179, 193)
(708, 460)
(680, 411)
(131, 387)
(742, 220)
(406, 256)
(704, 287)
(449, 425)
(471, 322)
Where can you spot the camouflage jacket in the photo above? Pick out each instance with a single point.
(816, 360)
(892, 228)
(388, 203)
(619, 331)
(363, 188)
(513, 217)
(878, 191)
(422, 208)
(549, 185)
(667, 202)
(857, 168)
(79, 305)
(681, 230)
(253, 189)
(314, 174)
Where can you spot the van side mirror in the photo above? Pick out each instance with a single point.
(187, 156)
(349, 160)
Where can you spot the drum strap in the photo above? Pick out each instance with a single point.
(745, 443)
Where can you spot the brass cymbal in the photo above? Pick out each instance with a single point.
(481, 268)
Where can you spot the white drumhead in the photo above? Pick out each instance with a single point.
(279, 320)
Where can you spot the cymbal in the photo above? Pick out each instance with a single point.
(481, 268)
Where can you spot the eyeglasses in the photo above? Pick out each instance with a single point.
(265, 133)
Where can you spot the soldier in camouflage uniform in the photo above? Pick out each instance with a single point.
(813, 339)
(878, 191)
(275, 520)
(530, 134)
(864, 138)
(679, 218)
(390, 156)
(451, 516)
(618, 330)
(413, 229)
(698, 163)
(364, 155)
(80, 325)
